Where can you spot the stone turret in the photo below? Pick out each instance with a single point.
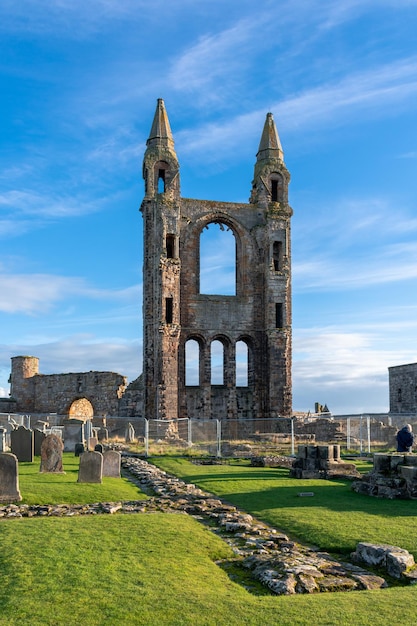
(24, 369)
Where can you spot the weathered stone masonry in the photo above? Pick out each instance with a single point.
(174, 310)
(85, 393)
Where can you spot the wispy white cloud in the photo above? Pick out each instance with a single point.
(370, 93)
(35, 294)
(28, 202)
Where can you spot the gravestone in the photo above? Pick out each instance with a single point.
(22, 444)
(51, 454)
(9, 478)
(92, 442)
(2, 440)
(79, 449)
(102, 434)
(130, 433)
(111, 463)
(99, 448)
(73, 434)
(38, 437)
(91, 467)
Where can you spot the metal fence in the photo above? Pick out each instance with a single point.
(241, 438)
(263, 437)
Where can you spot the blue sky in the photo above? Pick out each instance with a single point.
(79, 83)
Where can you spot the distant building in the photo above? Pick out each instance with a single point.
(403, 388)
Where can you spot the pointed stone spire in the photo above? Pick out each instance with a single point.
(270, 145)
(160, 135)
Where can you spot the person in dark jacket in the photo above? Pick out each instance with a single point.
(405, 439)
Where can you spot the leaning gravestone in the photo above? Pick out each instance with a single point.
(22, 444)
(91, 467)
(111, 463)
(9, 478)
(38, 437)
(51, 455)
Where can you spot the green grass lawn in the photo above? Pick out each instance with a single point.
(159, 569)
(48, 488)
(335, 519)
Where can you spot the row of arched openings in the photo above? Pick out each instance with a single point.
(217, 362)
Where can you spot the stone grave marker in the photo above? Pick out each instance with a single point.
(111, 463)
(51, 455)
(2, 440)
(73, 434)
(22, 444)
(92, 442)
(38, 437)
(79, 449)
(91, 467)
(99, 448)
(9, 478)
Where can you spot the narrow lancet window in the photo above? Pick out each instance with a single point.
(170, 246)
(279, 321)
(169, 310)
(277, 255)
(217, 363)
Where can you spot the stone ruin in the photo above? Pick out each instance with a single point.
(392, 476)
(321, 462)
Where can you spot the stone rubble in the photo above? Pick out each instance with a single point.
(280, 564)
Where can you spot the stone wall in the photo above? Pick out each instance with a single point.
(57, 393)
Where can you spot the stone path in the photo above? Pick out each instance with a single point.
(280, 564)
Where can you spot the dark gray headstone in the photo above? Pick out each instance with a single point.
(73, 434)
(79, 449)
(51, 454)
(91, 467)
(111, 463)
(9, 478)
(99, 448)
(38, 437)
(22, 444)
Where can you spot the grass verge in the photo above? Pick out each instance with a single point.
(48, 488)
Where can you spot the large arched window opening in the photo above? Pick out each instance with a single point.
(192, 363)
(242, 364)
(217, 362)
(217, 260)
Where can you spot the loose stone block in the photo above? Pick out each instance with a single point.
(22, 444)
(111, 463)
(91, 467)
(382, 463)
(51, 454)
(325, 452)
(408, 472)
(9, 478)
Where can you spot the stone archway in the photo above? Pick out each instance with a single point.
(81, 409)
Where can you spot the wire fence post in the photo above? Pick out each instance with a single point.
(219, 438)
(368, 428)
(146, 437)
(360, 434)
(292, 438)
(348, 433)
(189, 434)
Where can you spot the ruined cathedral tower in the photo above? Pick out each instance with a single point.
(175, 312)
